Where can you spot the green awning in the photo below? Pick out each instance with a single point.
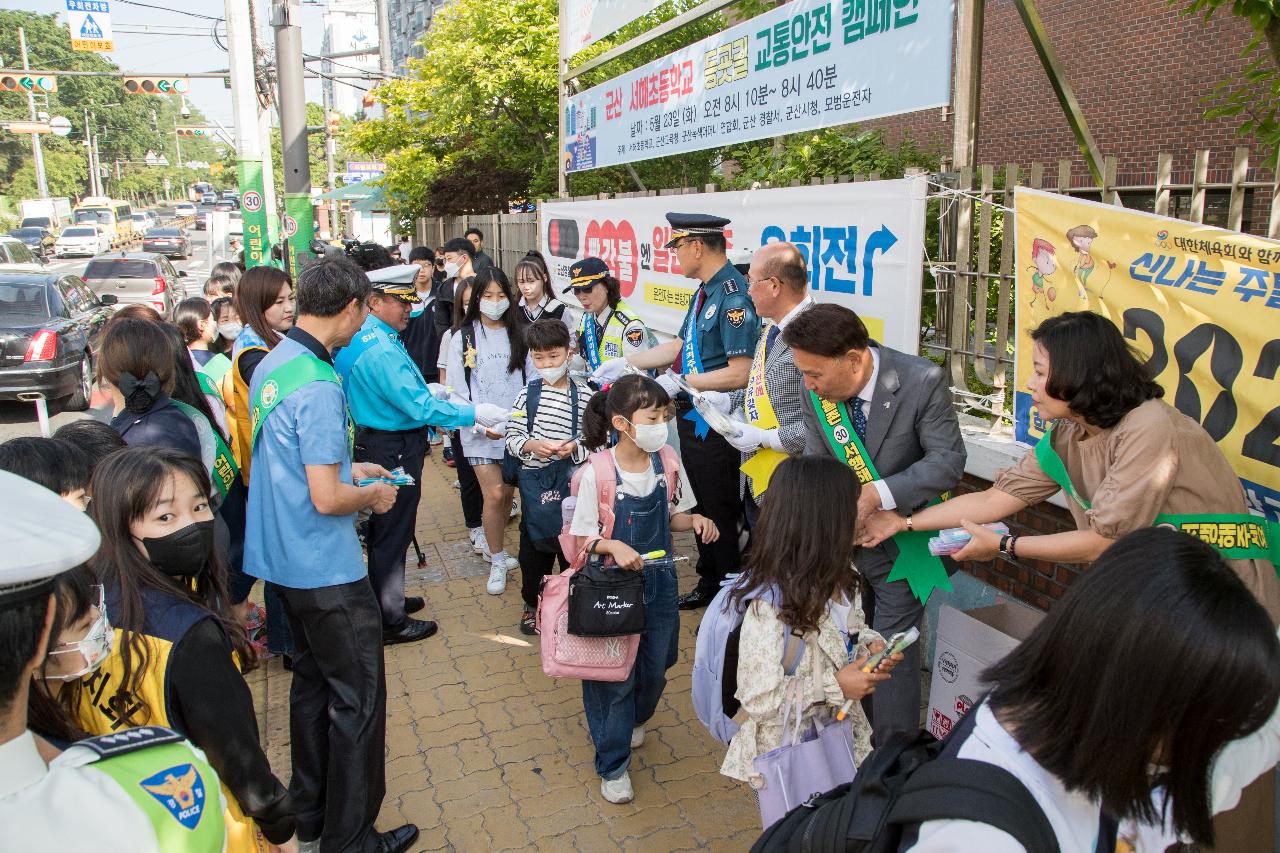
(351, 192)
(374, 202)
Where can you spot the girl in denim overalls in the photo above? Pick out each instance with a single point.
(633, 412)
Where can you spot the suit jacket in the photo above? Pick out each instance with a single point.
(786, 392)
(913, 436)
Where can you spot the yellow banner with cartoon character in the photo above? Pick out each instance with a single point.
(1202, 304)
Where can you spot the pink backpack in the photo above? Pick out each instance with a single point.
(589, 658)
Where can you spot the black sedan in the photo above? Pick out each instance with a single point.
(38, 240)
(49, 329)
(170, 242)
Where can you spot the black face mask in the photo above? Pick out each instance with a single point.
(182, 553)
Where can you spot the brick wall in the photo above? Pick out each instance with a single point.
(1138, 68)
(1038, 584)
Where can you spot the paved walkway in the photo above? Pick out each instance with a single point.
(484, 752)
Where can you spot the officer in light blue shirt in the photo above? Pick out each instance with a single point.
(392, 406)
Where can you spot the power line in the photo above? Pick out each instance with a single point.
(167, 9)
(372, 72)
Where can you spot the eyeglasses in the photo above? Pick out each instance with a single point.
(752, 281)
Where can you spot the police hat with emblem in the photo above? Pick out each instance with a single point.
(42, 536)
(693, 225)
(586, 273)
(396, 280)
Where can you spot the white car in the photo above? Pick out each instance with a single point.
(81, 240)
(143, 220)
(208, 198)
(235, 223)
(184, 208)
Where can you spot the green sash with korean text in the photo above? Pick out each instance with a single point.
(218, 459)
(1237, 536)
(922, 571)
(286, 379)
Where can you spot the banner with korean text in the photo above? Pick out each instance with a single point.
(805, 65)
(862, 243)
(1201, 304)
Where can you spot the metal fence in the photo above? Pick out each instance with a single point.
(969, 266)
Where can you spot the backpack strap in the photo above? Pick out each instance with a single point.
(532, 396)
(606, 489)
(670, 469)
(793, 647)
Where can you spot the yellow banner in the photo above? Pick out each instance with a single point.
(1202, 304)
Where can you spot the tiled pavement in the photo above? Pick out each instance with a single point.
(484, 752)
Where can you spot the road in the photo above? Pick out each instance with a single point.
(20, 418)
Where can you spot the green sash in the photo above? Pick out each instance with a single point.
(286, 379)
(922, 571)
(181, 801)
(222, 469)
(208, 385)
(1237, 536)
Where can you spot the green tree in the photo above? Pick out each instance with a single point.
(315, 150)
(1255, 97)
(65, 171)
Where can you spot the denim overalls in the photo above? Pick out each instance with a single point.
(615, 708)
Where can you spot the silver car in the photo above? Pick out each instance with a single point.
(145, 277)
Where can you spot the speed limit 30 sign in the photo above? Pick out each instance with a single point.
(252, 201)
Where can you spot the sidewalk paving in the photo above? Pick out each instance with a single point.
(485, 752)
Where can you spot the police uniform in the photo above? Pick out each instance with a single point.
(391, 406)
(613, 333)
(720, 324)
(143, 789)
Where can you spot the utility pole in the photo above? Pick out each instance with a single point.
(88, 153)
(384, 38)
(248, 141)
(292, 100)
(177, 145)
(259, 26)
(329, 151)
(41, 183)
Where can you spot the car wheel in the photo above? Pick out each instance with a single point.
(79, 399)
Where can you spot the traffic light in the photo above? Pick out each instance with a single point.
(191, 130)
(155, 85)
(333, 123)
(17, 81)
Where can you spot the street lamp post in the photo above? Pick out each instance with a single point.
(41, 183)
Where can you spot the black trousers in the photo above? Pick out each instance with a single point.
(472, 499)
(535, 565)
(388, 534)
(337, 714)
(712, 465)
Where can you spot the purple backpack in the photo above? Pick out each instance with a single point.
(715, 658)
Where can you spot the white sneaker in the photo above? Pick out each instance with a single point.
(497, 579)
(477, 540)
(515, 508)
(637, 737)
(617, 790)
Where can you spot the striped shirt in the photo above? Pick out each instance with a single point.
(552, 422)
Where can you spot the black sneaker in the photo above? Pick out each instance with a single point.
(412, 631)
(695, 599)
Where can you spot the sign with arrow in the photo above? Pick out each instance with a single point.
(89, 22)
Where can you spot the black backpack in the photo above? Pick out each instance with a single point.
(905, 782)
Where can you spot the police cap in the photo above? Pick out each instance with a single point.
(586, 273)
(397, 280)
(42, 536)
(693, 225)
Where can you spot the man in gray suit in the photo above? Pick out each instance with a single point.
(774, 399)
(899, 407)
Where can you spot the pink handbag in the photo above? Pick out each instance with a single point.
(567, 656)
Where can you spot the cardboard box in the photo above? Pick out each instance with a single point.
(969, 642)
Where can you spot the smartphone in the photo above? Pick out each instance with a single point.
(896, 643)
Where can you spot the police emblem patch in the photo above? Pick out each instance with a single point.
(269, 393)
(181, 791)
(736, 316)
(711, 311)
(635, 337)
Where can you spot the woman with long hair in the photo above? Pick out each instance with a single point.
(136, 365)
(537, 298)
(264, 303)
(468, 486)
(195, 318)
(1146, 698)
(489, 363)
(177, 645)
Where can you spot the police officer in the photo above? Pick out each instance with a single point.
(608, 328)
(144, 789)
(714, 349)
(391, 406)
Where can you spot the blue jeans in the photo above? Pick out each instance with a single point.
(614, 708)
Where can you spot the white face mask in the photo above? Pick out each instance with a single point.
(650, 437)
(230, 331)
(551, 375)
(494, 310)
(451, 269)
(95, 647)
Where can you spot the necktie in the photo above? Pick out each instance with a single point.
(859, 418)
(770, 337)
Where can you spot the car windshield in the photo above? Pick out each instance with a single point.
(120, 268)
(36, 222)
(164, 232)
(101, 215)
(25, 297)
(26, 232)
(79, 232)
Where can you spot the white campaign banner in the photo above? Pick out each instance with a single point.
(805, 65)
(588, 21)
(863, 244)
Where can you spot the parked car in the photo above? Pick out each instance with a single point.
(49, 329)
(16, 249)
(145, 277)
(185, 208)
(208, 198)
(83, 241)
(39, 240)
(170, 242)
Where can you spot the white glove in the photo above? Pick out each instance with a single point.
(487, 414)
(753, 438)
(438, 391)
(718, 399)
(610, 371)
(669, 385)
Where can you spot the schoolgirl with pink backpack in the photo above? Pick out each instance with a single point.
(625, 526)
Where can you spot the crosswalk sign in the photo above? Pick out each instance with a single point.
(89, 22)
